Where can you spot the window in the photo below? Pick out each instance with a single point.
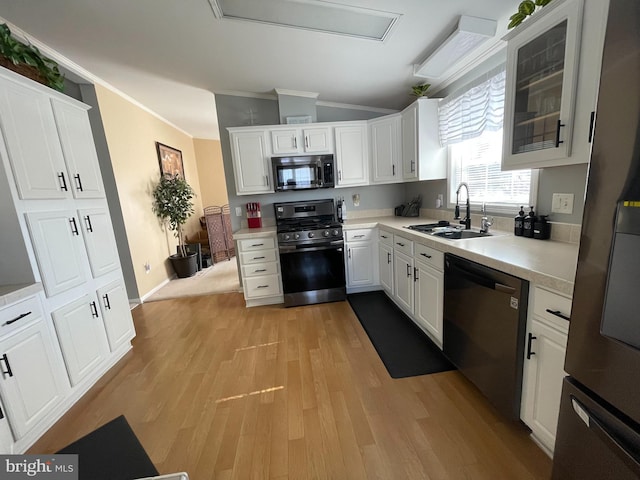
(471, 126)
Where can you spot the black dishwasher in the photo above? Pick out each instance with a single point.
(485, 316)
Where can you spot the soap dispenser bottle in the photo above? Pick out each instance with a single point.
(518, 227)
(528, 224)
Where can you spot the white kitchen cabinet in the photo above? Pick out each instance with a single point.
(403, 281)
(99, 240)
(116, 314)
(260, 267)
(31, 138)
(251, 162)
(429, 291)
(55, 236)
(553, 71)
(423, 158)
(33, 381)
(301, 140)
(543, 372)
(78, 149)
(361, 260)
(82, 337)
(386, 151)
(385, 261)
(352, 158)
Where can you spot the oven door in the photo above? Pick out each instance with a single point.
(313, 274)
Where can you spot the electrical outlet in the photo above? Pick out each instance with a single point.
(562, 203)
(356, 199)
(238, 211)
(147, 267)
(439, 201)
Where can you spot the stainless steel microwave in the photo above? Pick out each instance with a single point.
(303, 172)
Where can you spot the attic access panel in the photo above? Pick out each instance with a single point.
(316, 15)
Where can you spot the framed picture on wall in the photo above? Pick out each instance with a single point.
(170, 160)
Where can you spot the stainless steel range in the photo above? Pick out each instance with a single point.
(311, 249)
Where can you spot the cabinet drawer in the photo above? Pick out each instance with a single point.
(263, 286)
(385, 237)
(19, 314)
(258, 256)
(430, 256)
(546, 302)
(361, 235)
(257, 269)
(403, 245)
(251, 244)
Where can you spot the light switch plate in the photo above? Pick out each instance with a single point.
(562, 203)
(238, 211)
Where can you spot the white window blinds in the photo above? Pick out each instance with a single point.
(469, 114)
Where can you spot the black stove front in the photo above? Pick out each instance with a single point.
(311, 246)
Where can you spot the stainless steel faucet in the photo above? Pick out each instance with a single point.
(466, 221)
(485, 223)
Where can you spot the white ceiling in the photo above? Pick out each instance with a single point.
(172, 55)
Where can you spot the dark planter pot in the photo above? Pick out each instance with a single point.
(185, 266)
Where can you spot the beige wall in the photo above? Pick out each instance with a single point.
(131, 134)
(213, 187)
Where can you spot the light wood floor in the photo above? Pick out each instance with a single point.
(225, 392)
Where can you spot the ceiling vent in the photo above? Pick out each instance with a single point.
(469, 34)
(316, 15)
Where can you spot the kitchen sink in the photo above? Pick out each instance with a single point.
(442, 229)
(455, 234)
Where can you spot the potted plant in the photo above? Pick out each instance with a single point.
(28, 61)
(172, 203)
(420, 90)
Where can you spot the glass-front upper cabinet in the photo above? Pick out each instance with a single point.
(542, 61)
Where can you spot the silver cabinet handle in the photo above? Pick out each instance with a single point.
(94, 310)
(257, 244)
(262, 286)
(415, 274)
(413, 166)
(295, 142)
(393, 170)
(78, 182)
(260, 270)
(349, 252)
(408, 270)
(107, 303)
(258, 258)
(87, 222)
(63, 182)
(74, 226)
(388, 258)
(306, 141)
(6, 363)
(266, 180)
(339, 175)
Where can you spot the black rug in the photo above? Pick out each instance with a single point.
(112, 452)
(405, 350)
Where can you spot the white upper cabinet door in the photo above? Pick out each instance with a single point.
(317, 140)
(352, 157)
(82, 337)
(423, 158)
(30, 134)
(79, 150)
(33, 382)
(99, 240)
(116, 314)
(541, 84)
(285, 141)
(251, 163)
(58, 248)
(409, 128)
(301, 140)
(384, 135)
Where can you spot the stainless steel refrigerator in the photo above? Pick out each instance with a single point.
(599, 426)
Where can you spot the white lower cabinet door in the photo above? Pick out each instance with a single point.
(99, 240)
(116, 314)
(360, 264)
(542, 382)
(429, 293)
(385, 260)
(82, 337)
(59, 252)
(33, 382)
(403, 281)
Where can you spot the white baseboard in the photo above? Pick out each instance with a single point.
(154, 290)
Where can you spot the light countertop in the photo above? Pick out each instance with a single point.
(13, 293)
(546, 263)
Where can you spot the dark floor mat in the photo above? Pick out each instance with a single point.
(405, 350)
(112, 452)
